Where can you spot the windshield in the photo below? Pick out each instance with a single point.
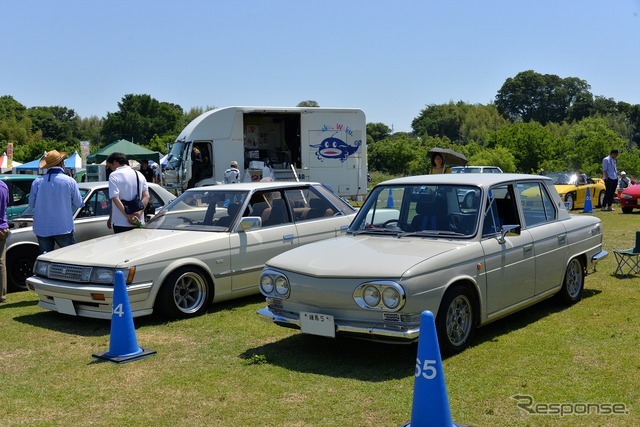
(563, 178)
(200, 210)
(174, 158)
(430, 210)
(465, 169)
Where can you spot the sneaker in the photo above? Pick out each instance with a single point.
(604, 209)
(611, 208)
(3, 299)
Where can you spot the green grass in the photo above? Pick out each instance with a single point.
(228, 368)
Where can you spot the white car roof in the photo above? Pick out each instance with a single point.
(482, 180)
(248, 186)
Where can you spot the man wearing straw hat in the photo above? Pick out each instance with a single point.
(54, 198)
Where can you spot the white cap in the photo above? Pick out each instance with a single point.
(623, 173)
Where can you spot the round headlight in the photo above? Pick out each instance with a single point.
(371, 296)
(282, 285)
(391, 297)
(266, 284)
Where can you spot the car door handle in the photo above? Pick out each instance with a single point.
(562, 237)
(287, 237)
(527, 248)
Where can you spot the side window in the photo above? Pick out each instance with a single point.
(98, 204)
(155, 200)
(500, 209)
(536, 204)
(20, 190)
(275, 211)
(307, 204)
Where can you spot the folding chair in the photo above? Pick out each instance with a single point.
(628, 260)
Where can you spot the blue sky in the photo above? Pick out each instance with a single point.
(389, 58)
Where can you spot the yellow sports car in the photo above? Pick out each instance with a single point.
(572, 188)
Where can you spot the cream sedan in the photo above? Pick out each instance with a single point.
(90, 222)
(469, 260)
(209, 244)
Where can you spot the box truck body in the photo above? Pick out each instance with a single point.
(326, 145)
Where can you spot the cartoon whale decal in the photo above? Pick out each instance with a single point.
(335, 148)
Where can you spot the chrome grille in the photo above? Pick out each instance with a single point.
(391, 317)
(69, 272)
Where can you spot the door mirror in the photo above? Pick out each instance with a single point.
(249, 223)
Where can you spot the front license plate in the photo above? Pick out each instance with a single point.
(65, 306)
(317, 324)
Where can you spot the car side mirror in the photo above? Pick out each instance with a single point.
(508, 230)
(249, 223)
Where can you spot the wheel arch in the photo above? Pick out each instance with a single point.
(473, 286)
(180, 263)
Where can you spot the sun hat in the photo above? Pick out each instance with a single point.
(52, 158)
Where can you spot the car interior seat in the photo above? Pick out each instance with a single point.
(232, 211)
(278, 214)
(318, 209)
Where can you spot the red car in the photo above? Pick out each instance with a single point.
(629, 197)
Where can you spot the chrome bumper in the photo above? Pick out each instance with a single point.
(380, 332)
(598, 256)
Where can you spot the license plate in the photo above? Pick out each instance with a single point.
(317, 324)
(65, 306)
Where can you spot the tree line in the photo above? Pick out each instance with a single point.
(536, 122)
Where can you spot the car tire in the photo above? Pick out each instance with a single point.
(573, 283)
(627, 210)
(568, 200)
(186, 292)
(456, 320)
(20, 262)
(601, 199)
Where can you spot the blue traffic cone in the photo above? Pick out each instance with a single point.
(430, 401)
(588, 207)
(390, 200)
(123, 345)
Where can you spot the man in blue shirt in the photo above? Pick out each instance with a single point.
(4, 232)
(54, 198)
(610, 177)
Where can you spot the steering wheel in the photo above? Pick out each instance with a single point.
(185, 219)
(86, 211)
(399, 225)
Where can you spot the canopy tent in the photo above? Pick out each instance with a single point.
(131, 150)
(33, 165)
(73, 162)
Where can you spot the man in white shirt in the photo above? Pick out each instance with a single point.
(232, 175)
(124, 185)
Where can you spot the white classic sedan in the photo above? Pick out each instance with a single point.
(209, 244)
(470, 251)
(90, 222)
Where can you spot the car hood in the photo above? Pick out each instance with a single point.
(633, 190)
(362, 256)
(135, 247)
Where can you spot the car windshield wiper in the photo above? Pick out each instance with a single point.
(376, 231)
(430, 233)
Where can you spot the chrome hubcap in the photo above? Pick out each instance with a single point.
(574, 278)
(459, 320)
(189, 292)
